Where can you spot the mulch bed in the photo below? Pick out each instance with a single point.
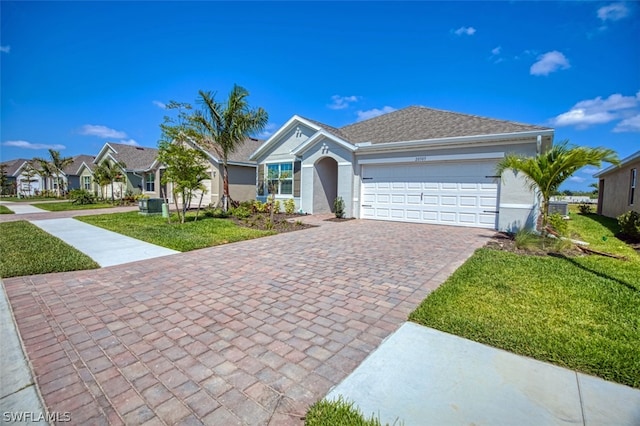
(282, 222)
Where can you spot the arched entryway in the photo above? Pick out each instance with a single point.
(325, 185)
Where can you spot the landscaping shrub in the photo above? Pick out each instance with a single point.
(338, 206)
(289, 206)
(260, 207)
(558, 223)
(585, 209)
(242, 212)
(81, 196)
(630, 225)
(217, 213)
(276, 206)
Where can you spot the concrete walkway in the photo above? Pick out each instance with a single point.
(424, 376)
(18, 391)
(105, 247)
(21, 208)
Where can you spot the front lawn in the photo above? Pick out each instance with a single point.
(25, 249)
(205, 232)
(5, 210)
(68, 205)
(579, 312)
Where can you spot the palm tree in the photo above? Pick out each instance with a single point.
(546, 171)
(54, 167)
(107, 173)
(46, 171)
(224, 126)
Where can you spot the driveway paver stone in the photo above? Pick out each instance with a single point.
(246, 333)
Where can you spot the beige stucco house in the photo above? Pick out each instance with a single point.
(416, 164)
(618, 187)
(242, 174)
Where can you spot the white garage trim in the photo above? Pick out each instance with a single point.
(429, 158)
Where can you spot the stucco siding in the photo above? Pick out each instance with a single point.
(282, 148)
(242, 183)
(616, 192)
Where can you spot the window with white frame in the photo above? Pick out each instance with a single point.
(86, 182)
(280, 178)
(150, 182)
(632, 186)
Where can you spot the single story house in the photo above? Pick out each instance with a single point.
(618, 187)
(72, 174)
(242, 174)
(142, 175)
(416, 164)
(22, 177)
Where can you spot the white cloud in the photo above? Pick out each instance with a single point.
(496, 51)
(631, 124)
(129, 142)
(613, 12)
(600, 111)
(549, 62)
(268, 131)
(5, 49)
(102, 132)
(342, 102)
(465, 31)
(159, 104)
(365, 115)
(589, 170)
(576, 179)
(31, 145)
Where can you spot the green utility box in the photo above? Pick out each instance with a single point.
(150, 206)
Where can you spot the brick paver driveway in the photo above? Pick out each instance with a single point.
(247, 333)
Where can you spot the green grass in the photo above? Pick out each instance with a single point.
(25, 249)
(337, 413)
(205, 232)
(68, 205)
(5, 210)
(579, 312)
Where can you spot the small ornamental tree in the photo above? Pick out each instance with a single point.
(107, 173)
(186, 169)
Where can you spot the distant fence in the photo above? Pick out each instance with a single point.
(575, 199)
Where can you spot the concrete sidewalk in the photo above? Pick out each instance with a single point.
(20, 208)
(105, 247)
(423, 376)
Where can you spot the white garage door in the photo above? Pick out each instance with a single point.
(460, 193)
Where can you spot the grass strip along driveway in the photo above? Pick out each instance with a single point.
(579, 312)
(25, 249)
(205, 232)
(64, 206)
(5, 210)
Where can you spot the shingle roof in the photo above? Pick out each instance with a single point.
(420, 123)
(242, 152)
(330, 129)
(134, 157)
(72, 169)
(12, 166)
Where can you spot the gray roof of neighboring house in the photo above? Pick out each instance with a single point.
(134, 157)
(242, 152)
(420, 123)
(72, 169)
(633, 157)
(12, 166)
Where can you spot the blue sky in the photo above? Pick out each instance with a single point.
(75, 75)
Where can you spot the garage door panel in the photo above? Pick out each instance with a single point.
(448, 193)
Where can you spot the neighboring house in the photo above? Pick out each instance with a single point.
(141, 173)
(618, 187)
(242, 174)
(72, 174)
(86, 178)
(23, 178)
(412, 165)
